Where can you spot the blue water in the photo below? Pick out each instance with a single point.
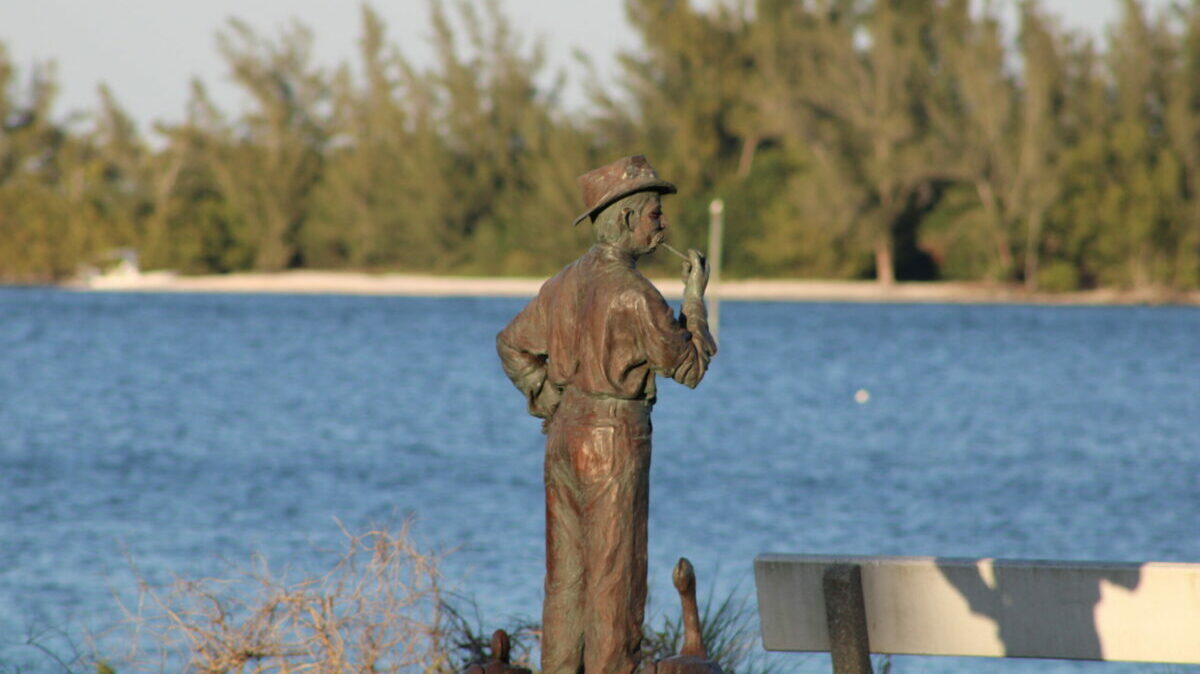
(183, 432)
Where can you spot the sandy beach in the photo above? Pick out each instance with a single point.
(352, 283)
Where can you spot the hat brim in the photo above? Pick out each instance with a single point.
(659, 186)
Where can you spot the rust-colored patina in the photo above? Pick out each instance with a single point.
(585, 353)
(501, 658)
(693, 656)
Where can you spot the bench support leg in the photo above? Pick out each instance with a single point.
(846, 616)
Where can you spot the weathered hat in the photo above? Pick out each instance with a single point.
(609, 184)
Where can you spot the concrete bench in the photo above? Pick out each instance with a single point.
(854, 606)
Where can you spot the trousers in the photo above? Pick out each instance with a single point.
(597, 475)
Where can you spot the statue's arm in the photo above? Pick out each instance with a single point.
(693, 317)
(680, 349)
(694, 313)
(522, 347)
(694, 320)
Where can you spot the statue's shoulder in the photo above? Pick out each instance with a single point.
(635, 290)
(562, 286)
(597, 275)
(561, 276)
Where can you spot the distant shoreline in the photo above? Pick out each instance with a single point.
(355, 283)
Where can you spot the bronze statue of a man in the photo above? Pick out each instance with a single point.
(585, 353)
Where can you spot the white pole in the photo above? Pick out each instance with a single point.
(716, 225)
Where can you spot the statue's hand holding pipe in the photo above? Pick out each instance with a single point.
(695, 282)
(695, 272)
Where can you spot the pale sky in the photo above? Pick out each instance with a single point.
(148, 50)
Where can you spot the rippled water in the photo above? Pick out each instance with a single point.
(185, 431)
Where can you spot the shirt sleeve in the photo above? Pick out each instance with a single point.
(523, 348)
(680, 349)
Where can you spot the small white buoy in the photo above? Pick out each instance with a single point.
(861, 396)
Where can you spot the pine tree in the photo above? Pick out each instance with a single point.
(273, 158)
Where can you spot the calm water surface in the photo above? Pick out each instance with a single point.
(184, 432)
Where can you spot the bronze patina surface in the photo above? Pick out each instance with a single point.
(693, 656)
(585, 352)
(501, 658)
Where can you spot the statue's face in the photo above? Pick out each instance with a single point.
(651, 227)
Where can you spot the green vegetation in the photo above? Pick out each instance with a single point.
(894, 139)
(729, 631)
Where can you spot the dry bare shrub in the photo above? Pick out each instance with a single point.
(380, 609)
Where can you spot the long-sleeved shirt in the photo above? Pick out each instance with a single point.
(602, 328)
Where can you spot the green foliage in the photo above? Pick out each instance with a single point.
(1058, 276)
(959, 237)
(848, 139)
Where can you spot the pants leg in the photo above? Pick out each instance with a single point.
(563, 607)
(597, 502)
(615, 521)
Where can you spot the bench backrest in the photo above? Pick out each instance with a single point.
(936, 606)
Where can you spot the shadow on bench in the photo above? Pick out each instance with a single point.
(854, 606)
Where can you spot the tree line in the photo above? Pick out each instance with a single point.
(893, 139)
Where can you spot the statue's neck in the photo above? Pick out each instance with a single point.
(617, 252)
